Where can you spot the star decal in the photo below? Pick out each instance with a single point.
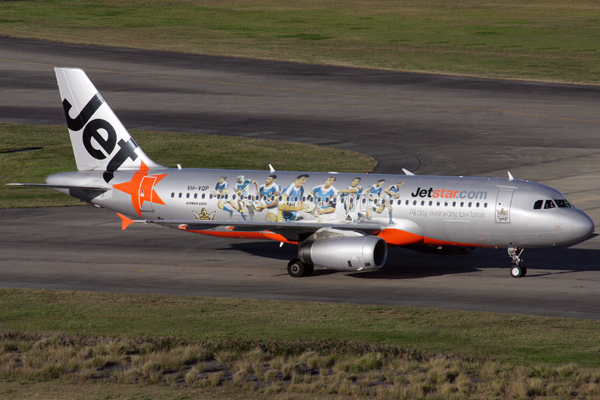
(141, 188)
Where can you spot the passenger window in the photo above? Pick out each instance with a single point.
(453, 204)
(549, 204)
(187, 196)
(172, 194)
(477, 205)
(430, 203)
(462, 203)
(484, 205)
(470, 204)
(203, 195)
(422, 202)
(180, 195)
(563, 203)
(414, 203)
(438, 203)
(406, 202)
(195, 195)
(538, 205)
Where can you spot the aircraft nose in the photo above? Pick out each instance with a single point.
(582, 226)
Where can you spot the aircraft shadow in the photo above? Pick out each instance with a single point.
(267, 249)
(409, 264)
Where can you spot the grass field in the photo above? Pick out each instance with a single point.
(519, 340)
(292, 347)
(166, 148)
(555, 40)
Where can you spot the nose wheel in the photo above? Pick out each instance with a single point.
(518, 270)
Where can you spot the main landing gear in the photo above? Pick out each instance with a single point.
(297, 268)
(517, 270)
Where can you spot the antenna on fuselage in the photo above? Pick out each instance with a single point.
(407, 172)
(271, 168)
(510, 177)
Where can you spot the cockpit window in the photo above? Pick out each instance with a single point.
(549, 204)
(563, 203)
(538, 205)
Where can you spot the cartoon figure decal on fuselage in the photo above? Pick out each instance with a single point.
(242, 190)
(373, 200)
(269, 193)
(350, 197)
(391, 193)
(222, 193)
(291, 200)
(325, 199)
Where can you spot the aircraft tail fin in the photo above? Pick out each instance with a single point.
(99, 139)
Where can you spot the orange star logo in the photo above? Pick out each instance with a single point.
(141, 188)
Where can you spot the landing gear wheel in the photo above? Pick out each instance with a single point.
(296, 268)
(516, 271)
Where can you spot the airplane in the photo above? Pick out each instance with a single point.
(340, 221)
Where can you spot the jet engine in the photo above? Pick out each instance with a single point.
(346, 253)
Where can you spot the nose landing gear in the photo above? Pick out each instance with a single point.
(517, 270)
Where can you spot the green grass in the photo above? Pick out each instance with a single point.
(519, 340)
(166, 148)
(555, 40)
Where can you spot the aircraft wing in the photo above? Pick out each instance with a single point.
(292, 231)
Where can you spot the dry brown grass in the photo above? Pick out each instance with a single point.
(35, 358)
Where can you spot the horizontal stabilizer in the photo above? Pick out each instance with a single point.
(104, 189)
(126, 221)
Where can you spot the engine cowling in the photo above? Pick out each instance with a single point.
(348, 253)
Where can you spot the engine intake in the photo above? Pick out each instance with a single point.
(348, 253)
